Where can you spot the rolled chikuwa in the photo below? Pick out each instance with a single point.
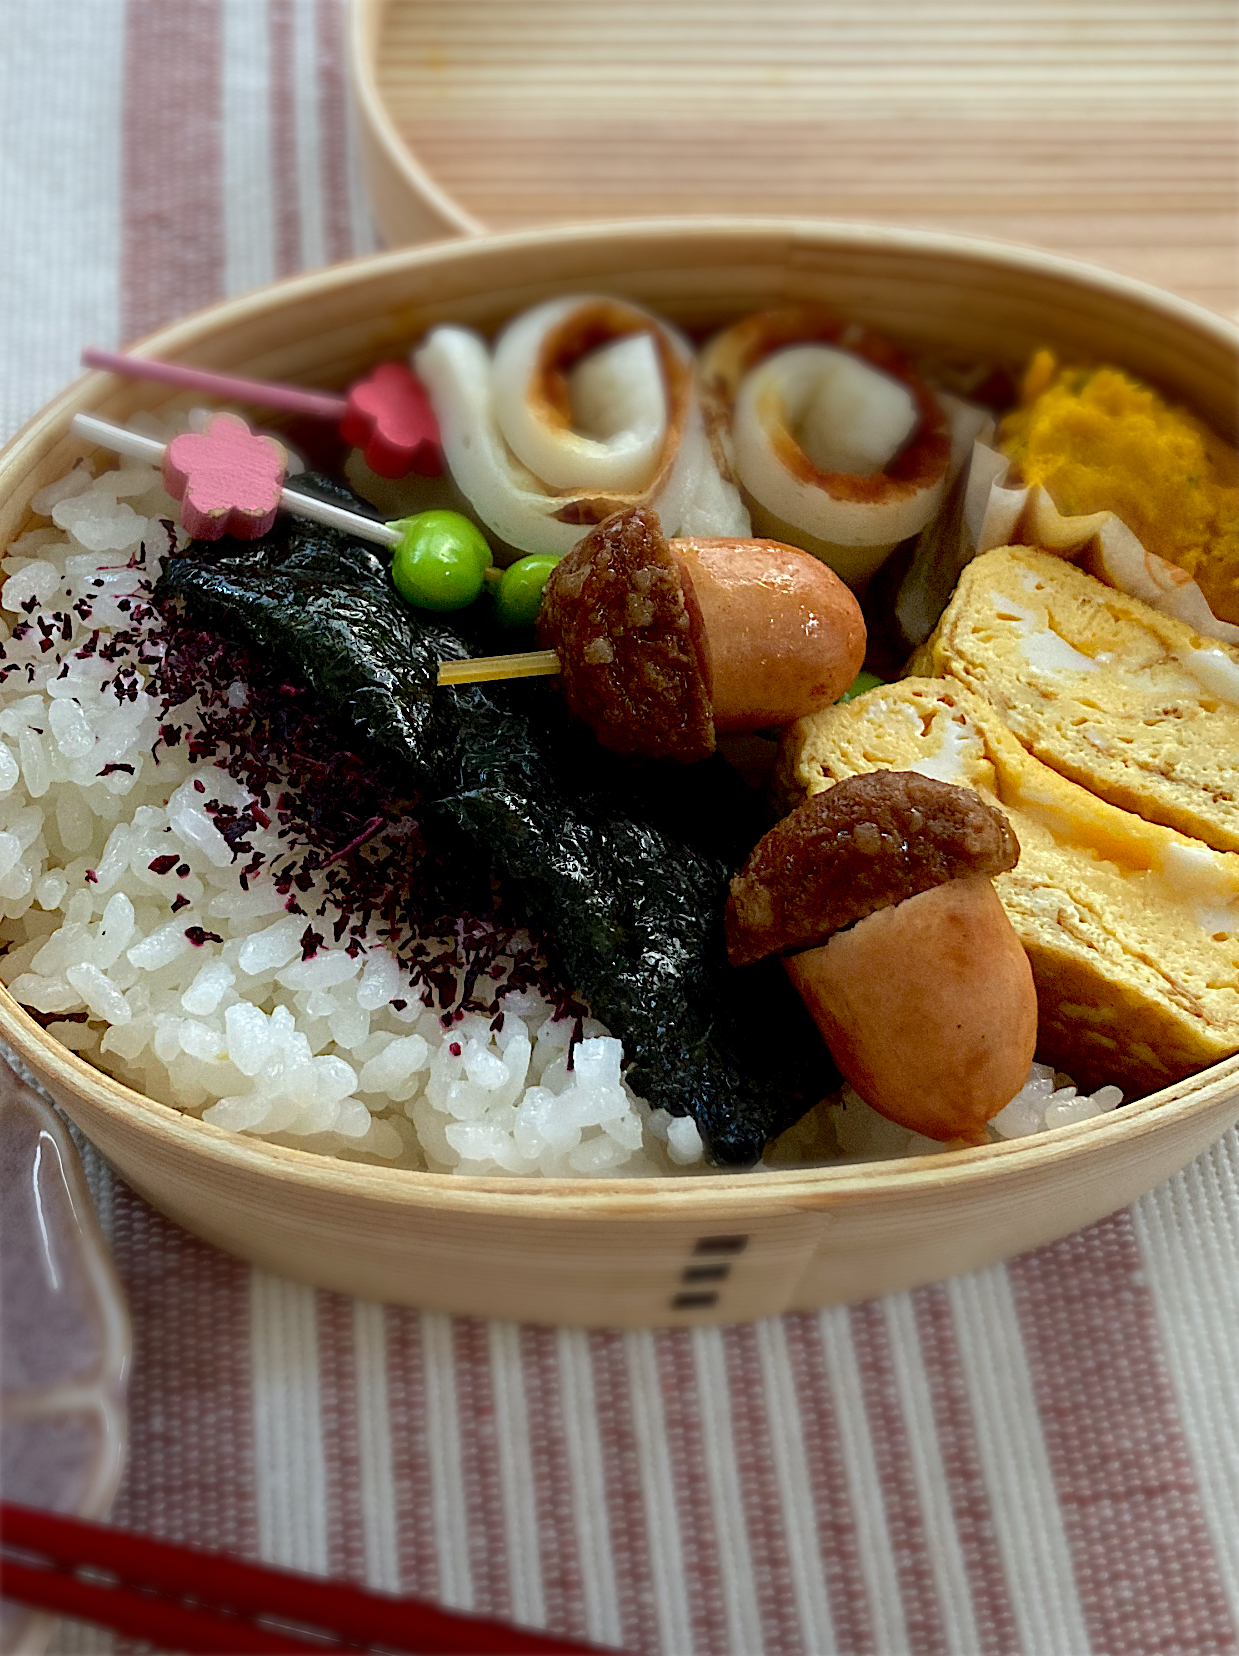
(878, 894)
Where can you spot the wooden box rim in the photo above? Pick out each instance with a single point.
(735, 1195)
(400, 168)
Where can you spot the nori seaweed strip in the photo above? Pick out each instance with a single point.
(628, 868)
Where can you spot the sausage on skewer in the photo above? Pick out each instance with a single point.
(662, 644)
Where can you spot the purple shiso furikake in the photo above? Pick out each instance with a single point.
(351, 834)
(440, 823)
(354, 858)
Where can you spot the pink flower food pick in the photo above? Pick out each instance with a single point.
(390, 419)
(227, 478)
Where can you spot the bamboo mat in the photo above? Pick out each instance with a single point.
(1101, 129)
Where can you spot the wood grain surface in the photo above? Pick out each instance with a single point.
(1102, 129)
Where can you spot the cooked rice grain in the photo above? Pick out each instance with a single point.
(129, 931)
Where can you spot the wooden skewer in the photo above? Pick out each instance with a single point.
(480, 669)
(526, 664)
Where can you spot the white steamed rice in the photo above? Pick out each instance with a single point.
(334, 1053)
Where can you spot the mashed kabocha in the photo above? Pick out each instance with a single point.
(1098, 441)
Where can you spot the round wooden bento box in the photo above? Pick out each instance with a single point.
(714, 1248)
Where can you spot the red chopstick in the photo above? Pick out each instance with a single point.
(161, 1622)
(155, 1578)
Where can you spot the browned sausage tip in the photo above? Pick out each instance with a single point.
(865, 844)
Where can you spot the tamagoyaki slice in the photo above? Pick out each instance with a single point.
(1133, 704)
(1132, 929)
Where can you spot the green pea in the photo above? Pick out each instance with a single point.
(519, 597)
(861, 683)
(441, 560)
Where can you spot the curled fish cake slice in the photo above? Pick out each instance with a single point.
(585, 406)
(837, 444)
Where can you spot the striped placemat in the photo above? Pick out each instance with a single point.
(1041, 1458)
